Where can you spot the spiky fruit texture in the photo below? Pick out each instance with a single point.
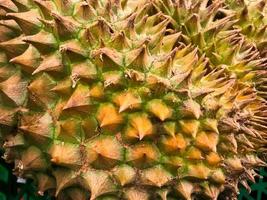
(134, 99)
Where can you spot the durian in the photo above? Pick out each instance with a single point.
(134, 99)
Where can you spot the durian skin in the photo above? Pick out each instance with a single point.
(134, 100)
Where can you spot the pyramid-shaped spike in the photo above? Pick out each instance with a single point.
(191, 108)
(39, 126)
(103, 184)
(108, 115)
(85, 70)
(84, 11)
(15, 88)
(156, 176)
(29, 60)
(66, 27)
(138, 58)
(40, 90)
(108, 58)
(8, 6)
(127, 100)
(80, 99)
(74, 51)
(28, 21)
(14, 47)
(33, 159)
(135, 193)
(142, 124)
(51, 63)
(65, 154)
(11, 24)
(63, 87)
(159, 109)
(47, 7)
(23, 5)
(8, 116)
(43, 41)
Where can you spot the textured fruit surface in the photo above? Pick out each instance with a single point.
(134, 99)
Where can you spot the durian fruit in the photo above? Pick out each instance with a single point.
(132, 99)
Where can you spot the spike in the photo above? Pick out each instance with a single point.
(142, 124)
(190, 127)
(79, 100)
(43, 41)
(32, 159)
(163, 193)
(174, 144)
(6, 72)
(73, 193)
(8, 6)
(191, 108)
(112, 78)
(65, 7)
(207, 141)
(40, 90)
(97, 91)
(185, 188)
(65, 154)
(8, 117)
(125, 174)
(84, 11)
(23, 5)
(234, 164)
(46, 7)
(85, 70)
(156, 176)
(100, 27)
(65, 27)
(45, 183)
(29, 60)
(11, 24)
(168, 42)
(138, 58)
(74, 51)
(14, 47)
(28, 21)
(15, 141)
(194, 154)
(63, 87)
(213, 158)
(134, 193)
(170, 128)
(142, 155)
(15, 88)
(127, 100)
(108, 58)
(108, 115)
(38, 126)
(120, 42)
(159, 109)
(210, 125)
(68, 130)
(109, 151)
(51, 63)
(99, 183)
(65, 178)
(199, 171)
(218, 176)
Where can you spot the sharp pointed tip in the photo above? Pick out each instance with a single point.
(23, 127)
(12, 60)
(35, 72)
(9, 14)
(141, 136)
